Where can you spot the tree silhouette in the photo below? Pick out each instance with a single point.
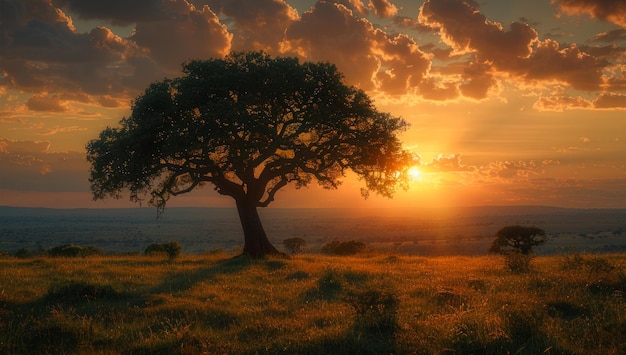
(248, 124)
(517, 239)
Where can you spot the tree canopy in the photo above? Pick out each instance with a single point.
(517, 239)
(249, 124)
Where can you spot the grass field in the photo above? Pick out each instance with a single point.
(312, 304)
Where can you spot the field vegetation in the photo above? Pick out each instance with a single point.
(311, 304)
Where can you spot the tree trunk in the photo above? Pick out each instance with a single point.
(256, 244)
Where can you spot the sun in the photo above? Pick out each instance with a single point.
(415, 174)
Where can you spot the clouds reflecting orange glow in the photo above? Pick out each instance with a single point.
(510, 102)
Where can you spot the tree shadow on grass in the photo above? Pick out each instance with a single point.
(183, 280)
(55, 322)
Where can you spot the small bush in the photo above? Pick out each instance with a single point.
(350, 247)
(294, 245)
(67, 250)
(72, 251)
(91, 251)
(171, 248)
(22, 253)
(518, 262)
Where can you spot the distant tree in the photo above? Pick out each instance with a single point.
(349, 247)
(71, 250)
(249, 125)
(517, 239)
(172, 249)
(66, 250)
(294, 245)
(22, 253)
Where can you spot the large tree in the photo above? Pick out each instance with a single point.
(248, 124)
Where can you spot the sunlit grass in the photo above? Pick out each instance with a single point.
(374, 303)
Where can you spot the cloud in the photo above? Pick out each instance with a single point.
(23, 147)
(438, 90)
(610, 36)
(29, 165)
(515, 169)
(383, 8)
(477, 80)
(447, 163)
(118, 12)
(467, 30)
(604, 101)
(57, 130)
(46, 103)
(186, 33)
(41, 171)
(44, 55)
(515, 51)
(610, 101)
(368, 56)
(561, 103)
(258, 25)
(606, 10)
(43, 52)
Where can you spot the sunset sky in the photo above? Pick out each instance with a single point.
(511, 102)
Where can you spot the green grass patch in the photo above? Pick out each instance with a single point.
(312, 304)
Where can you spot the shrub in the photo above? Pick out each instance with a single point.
(71, 250)
(171, 248)
(67, 250)
(518, 262)
(91, 250)
(518, 239)
(350, 247)
(22, 253)
(294, 245)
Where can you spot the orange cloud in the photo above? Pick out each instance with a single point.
(186, 33)
(28, 166)
(258, 25)
(515, 51)
(383, 8)
(561, 103)
(57, 130)
(612, 11)
(20, 147)
(46, 103)
(604, 101)
(368, 57)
